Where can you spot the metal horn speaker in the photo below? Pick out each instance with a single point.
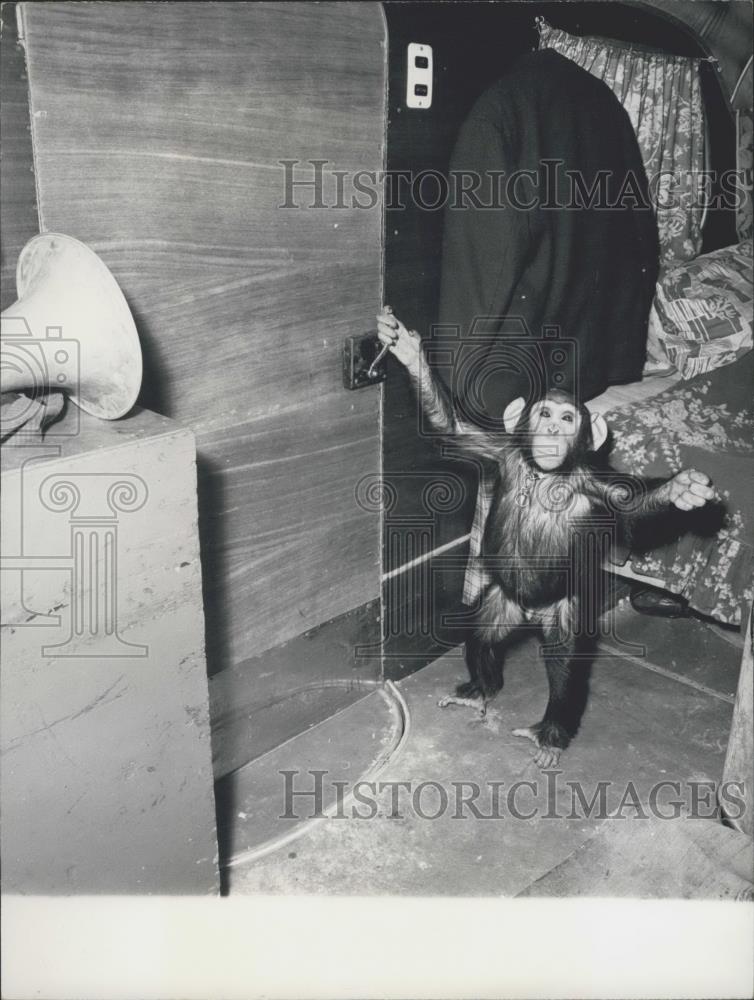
(70, 329)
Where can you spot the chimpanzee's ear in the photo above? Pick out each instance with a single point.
(512, 414)
(599, 431)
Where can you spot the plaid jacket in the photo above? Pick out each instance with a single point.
(477, 578)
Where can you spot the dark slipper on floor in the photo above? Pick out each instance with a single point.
(656, 602)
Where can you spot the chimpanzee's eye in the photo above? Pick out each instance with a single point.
(568, 418)
(544, 412)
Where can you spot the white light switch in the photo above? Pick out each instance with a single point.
(419, 76)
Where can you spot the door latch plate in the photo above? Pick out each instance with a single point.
(359, 351)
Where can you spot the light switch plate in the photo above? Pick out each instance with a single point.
(419, 76)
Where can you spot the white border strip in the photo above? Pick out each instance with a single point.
(427, 555)
(641, 661)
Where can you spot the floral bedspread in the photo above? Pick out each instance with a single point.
(707, 423)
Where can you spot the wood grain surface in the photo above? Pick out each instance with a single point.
(18, 199)
(159, 131)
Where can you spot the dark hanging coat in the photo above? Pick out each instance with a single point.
(544, 256)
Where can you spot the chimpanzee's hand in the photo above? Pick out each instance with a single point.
(690, 489)
(404, 345)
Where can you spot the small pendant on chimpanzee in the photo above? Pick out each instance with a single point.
(523, 497)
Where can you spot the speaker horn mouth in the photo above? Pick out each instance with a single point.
(82, 317)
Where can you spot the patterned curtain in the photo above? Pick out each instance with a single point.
(745, 144)
(662, 95)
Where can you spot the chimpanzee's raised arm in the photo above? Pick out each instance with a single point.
(433, 397)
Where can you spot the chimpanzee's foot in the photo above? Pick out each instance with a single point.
(550, 738)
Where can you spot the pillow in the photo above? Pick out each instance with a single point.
(662, 95)
(702, 312)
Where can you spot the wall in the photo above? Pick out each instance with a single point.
(158, 132)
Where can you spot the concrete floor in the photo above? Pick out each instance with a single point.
(662, 716)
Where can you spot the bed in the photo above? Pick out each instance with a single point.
(660, 425)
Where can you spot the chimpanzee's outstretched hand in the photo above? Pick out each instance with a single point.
(405, 345)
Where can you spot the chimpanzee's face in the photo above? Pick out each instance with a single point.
(554, 427)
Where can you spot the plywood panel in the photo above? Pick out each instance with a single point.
(18, 200)
(159, 131)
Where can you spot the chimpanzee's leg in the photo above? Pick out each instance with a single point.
(497, 618)
(484, 661)
(566, 677)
